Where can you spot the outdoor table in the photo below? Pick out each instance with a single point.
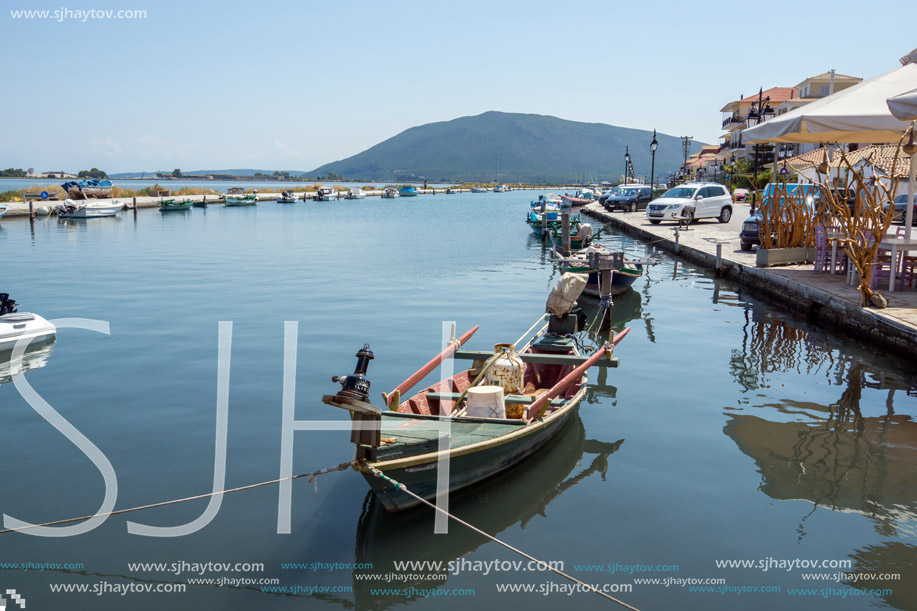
(895, 245)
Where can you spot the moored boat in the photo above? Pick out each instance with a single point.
(287, 197)
(580, 198)
(236, 196)
(171, 205)
(25, 327)
(325, 195)
(480, 190)
(355, 193)
(94, 188)
(526, 398)
(502, 189)
(389, 193)
(407, 191)
(624, 272)
(2, 210)
(88, 210)
(580, 233)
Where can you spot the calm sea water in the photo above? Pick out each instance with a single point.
(11, 184)
(731, 430)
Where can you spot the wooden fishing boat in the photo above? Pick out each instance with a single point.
(580, 233)
(96, 188)
(236, 196)
(171, 205)
(544, 383)
(625, 272)
(580, 198)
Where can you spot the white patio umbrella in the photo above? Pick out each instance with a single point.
(858, 114)
(904, 107)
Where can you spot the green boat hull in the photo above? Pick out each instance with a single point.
(479, 452)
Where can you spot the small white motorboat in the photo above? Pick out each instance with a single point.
(88, 209)
(287, 197)
(480, 190)
(25, 326)
(389, 193)
(15, 326)
(325, 195)
(355, 193)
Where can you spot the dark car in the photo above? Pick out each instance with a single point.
(901, 209)
(611, 192)
(749, 236)
(629, 199)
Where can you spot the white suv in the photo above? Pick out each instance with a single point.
(709, 199)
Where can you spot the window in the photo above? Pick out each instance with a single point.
(823, 91)
(717, 191)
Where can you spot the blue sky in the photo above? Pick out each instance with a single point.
(293, 85)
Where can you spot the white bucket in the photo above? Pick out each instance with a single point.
(486, 402)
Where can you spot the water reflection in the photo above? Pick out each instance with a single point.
(35, 357)
(890, 558)
(517, 496)
(854, 454)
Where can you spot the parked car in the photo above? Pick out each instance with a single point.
(901, 209)
(613, 191)
(694, 200)
(740, 194)
(749, 235)
(629, 198)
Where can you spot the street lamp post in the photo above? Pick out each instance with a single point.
(653, 146)
(626, 163)
(755, 116)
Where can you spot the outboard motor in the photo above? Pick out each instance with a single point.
(7, 305)
(354, 396)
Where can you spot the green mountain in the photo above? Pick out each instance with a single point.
(514, 147)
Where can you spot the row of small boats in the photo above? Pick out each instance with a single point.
(545, 219)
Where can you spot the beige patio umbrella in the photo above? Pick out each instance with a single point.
(858, 114)
(904, 107)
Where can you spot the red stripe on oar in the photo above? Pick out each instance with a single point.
(423, 371)
(561, 386)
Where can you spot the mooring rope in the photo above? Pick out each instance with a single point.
(404, 489)
(311, 477)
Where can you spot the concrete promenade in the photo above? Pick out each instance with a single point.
(825, 299)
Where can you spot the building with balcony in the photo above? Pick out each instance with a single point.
(735, 117)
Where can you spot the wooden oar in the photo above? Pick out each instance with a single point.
(395, 396)
(536, 409)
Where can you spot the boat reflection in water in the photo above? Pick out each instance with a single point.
(518, 495)
(35, 357)
(855, 455)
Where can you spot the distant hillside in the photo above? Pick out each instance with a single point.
(517, 147)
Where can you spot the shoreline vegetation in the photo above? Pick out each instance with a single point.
(118, 192)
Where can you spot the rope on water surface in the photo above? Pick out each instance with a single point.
(404, 489)
(311, 478)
